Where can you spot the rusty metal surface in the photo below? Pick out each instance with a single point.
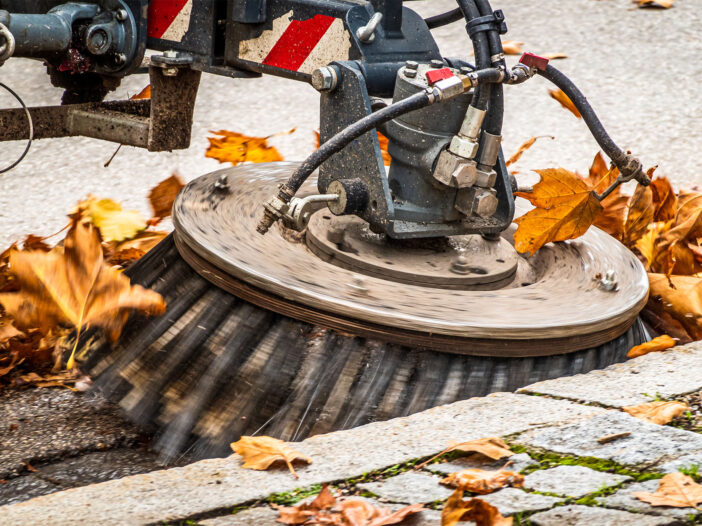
(562, 299)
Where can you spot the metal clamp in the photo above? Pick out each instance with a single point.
(7, 47)
(366, 34)
(301, 209)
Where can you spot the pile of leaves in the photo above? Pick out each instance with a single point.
(48, 293)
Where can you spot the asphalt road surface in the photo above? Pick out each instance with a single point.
(638, 67)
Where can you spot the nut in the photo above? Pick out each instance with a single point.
(411, 64)
(485, 203)
(454, 171)
(463, 147)
(324, 79)
(465, 175)
(436, 63)
(486, 178)
(465, 201)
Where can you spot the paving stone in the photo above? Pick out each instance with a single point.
(519, 462)
(25, 488)
(512, 500)
(624, 499)
(586, 516)
(668, 374)
(571, 481)
(686, 461)
(216, 484)
(647, 443)
(263, 516)
(409, 487)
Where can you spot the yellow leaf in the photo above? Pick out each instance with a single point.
(261, 452)
(661, 4)
(658, 412)
(679, 297)
(675, 490)
(72, 285)
(660, 343)
(510, 47)
(564, 101)
(483, 514)
(483, 482)
(107, 215)
(491, 447)
(162, 196)
(639, 215)
(648, 244)
(565, 209)
(236, 148)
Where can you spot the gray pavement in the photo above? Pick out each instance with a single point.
(565, 483)
(639, 68)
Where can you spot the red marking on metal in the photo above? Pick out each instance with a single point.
(297, 42)
(435, 75)
(162, 13)
(534, 61)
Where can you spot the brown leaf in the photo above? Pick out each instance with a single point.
(648, 244)
(236, 148)
(675, 490)
(483, 482)
(660, 4)
(523, 148)
(681, 298)
(31, 468)
(483, 514)
(510, 47)
(32, 242)
(563, 99)
(657, 412)
(491, 447)
(565, 209)
(600, 177)
(673, 254)
(664, 199)
(7, 331)
(261, 452)
(162, 195)
(72, 285)
(554, 56)
(660, 343)
(639, 215)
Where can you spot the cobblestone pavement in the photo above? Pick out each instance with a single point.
(571, 478)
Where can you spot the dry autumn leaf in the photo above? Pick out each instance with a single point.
(648, 244)
(236, 148)
(677, 299)
(261, 452)
(143, 94)
(162, 196)
(523, 148)
(7, 331)
(510, 47)
(327, 509)
(483, 514)
(565, 209)
(660, 343)
(660, 4)
(676, 490)
(71, 285)
(640, 214)
(563, 99)
(599, 178)
(483, 482)
(113, 223)
(665, 201)
(657, 412)
(554, 56)
(491, 447)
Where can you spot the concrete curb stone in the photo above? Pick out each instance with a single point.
(518, 463)
(571, 481)
(512, 500)
(585, 516)
(409, 488)
(624, 499)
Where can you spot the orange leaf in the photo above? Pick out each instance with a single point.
(261, 452)
(675, 490)
(565, 209)
(143, 94)
(491, 447)
(660, 4)
(554, 56)
(639, 215)
(483, 514)
(7, 331)
(658, 412)
(236, 148)
(72, 285)
(162, 195)
(680, 297)
(649, 244)
(510, 47)
(660, 343)
(664, 199)
(565, 101)
(483, 482)
(523, 148)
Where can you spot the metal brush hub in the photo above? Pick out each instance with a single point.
(553, 304)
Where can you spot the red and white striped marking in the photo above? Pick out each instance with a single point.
(169, 19)
(299, 45)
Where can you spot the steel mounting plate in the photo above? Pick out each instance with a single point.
(560, 308)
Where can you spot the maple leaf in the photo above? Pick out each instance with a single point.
(565, 209)
(657, 412)
(236, 148)
(564, 101)
(261, 452)
(523, 148)
(676, 490)
(162, 196)
(483, 482)
(600, 177)
(483, 514)
(113, 223)
(660, 343)
(678, 298)
(660, 4)
(71, 285)
(648, 244)
(673, 255)
(639, 215)
(143, 94)
(664, 199)
(510, 47)
(492, 447)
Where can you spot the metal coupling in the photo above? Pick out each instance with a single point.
(491, 149)
(519, 73)
(273, 210)
(472, 123)
(325, 78)
(366, 34)
(301, 208)
(631, 168)
(448, 88)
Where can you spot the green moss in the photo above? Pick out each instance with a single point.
(385, 473)
(289, 498)
(692, 471)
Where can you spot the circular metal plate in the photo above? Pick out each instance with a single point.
(555, 298)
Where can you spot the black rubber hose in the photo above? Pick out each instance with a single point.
(444, 18)
(481, 49)
(495, 115)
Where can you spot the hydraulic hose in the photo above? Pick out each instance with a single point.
(628, 165)
(444, 18)
(481, 50)
(495, 114)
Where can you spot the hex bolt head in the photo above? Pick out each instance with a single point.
(460, 264)
(485, 203)
(170, 72)
(411, 64)
(324, 78)
(97, 41)
(410, 73)
(465, 175)
(436, 63)
(170, 53)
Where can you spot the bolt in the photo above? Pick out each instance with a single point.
(120, 58)
(410, 73)
(609, 282)
(485, 204)
(170, 72)
(357, 285)
(221, 183)
(460, 264)
(466, 70)
(121, 15)
(98, 41)
(324, 78)
(411, 64)
(436, 63)
(170, 53)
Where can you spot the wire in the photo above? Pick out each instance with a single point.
(31, 129)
